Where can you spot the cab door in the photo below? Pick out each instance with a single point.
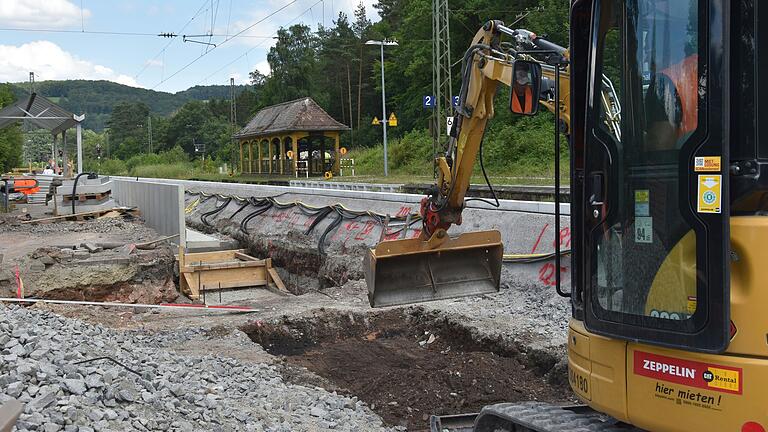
(656, 180)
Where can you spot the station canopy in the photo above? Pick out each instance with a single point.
(40, 112)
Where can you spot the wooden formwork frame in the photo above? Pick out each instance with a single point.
(210, 271)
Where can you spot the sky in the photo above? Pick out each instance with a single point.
(77, 49)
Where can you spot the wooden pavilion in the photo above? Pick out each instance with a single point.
(290, 137)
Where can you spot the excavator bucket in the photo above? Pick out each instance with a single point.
(411, 271)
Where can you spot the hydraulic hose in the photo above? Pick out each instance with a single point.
(91, 176)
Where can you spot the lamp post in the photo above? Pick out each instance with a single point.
(383, 98)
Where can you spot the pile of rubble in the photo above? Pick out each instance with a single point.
(74, 376)
(97, 260)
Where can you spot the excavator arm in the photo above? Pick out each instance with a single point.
(487, 63)
(437, 266)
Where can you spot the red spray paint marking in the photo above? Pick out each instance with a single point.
(403, 212)
(565, 238)
(18, 283)
(535, 245)
(366, 231)
(547, 274)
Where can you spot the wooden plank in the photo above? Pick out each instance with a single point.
(189, 286)
(245, 257)
(228, 255)
(276, 278)
(234, 284)
(221, 266)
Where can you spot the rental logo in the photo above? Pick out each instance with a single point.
(689, 373)
(669, 369)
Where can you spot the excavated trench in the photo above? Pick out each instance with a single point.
(407, 364)
(302, 267)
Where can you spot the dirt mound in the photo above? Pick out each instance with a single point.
(405, 367)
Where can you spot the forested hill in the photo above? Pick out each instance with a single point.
(97, 98)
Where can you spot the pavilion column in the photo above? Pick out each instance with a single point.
(65, 157)
(250, 157)
(338, 155)
(259, 166)
(53, 149)
(79, 131)
(241, 156)
(282, 155)
(295, 149)
(269, 153)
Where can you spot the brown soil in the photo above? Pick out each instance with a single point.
(379, 359)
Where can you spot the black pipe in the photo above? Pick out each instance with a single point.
(5, 195)
(91, 176)
(558, 288)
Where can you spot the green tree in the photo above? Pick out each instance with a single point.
(551, 21)
(11, 141)
(293, 64)
(128, 129)
(37, 145)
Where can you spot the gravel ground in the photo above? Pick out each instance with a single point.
(522, 309)
(55, 366)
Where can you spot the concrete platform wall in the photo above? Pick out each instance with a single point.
(526, 226)
(161, 204)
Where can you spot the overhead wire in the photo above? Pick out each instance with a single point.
(113, 33)
(271, 14)
(245, 54)
(148, 62)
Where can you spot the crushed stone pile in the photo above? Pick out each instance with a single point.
(78, 377)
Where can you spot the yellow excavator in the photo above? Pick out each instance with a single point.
(668, 213)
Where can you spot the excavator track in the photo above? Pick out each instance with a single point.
(540, 417)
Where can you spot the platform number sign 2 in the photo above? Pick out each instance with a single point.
(429, 101)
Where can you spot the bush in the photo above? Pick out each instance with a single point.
(112, 167)
(174, 155)
(178, 170)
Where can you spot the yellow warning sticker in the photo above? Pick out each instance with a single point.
(723, 379)
(707, 164)
(642, 202)
(691, 305)
(710, 187)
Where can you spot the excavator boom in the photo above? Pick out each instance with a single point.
(438, 266)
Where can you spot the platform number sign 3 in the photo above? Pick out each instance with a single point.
(456, 101)
(429, 101)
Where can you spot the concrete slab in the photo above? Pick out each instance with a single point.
(197, 241)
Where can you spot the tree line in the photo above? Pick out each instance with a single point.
(334, 66)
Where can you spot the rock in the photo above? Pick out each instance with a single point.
(39, 353)
(95, 415)
(47, 260)
(317, 412)
(75, 386)
(94, 381)
(14, 389)
(126, 395)
(81, 254)
(90, 247)
(36, 266)
(42, 401)
(51, 427)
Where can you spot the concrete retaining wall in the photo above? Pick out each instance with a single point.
(161, 204)
(526, 226)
